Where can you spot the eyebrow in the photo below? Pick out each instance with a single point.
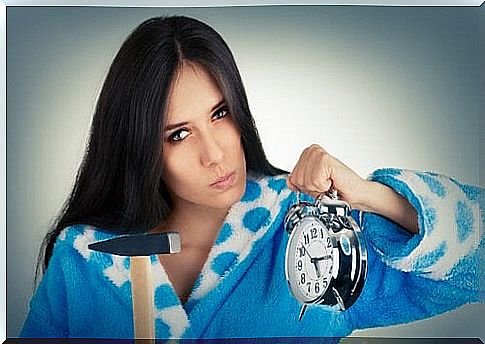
(181, 124)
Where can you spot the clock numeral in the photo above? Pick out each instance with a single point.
(321, 233)
(299, 265)
(317, 287)
(314, 233)
(302, 278)
(302, 251)
(324, 283)
(309, 286)
(307, 239)
(329, 242)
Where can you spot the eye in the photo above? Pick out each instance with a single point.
(220, 113)
(178, 135)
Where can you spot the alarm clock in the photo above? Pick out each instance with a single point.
(326, 256)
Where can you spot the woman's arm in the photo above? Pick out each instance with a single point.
(317, 171)
(384, 201)
(410, 277)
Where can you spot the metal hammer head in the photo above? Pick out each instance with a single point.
(140, 244)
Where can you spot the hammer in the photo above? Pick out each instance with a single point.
(139, 247)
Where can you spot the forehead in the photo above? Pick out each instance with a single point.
(193, 93)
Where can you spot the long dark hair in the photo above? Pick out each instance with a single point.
(119, 186)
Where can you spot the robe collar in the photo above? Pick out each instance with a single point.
(249, 224)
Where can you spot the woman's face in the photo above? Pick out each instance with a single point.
(203, 158)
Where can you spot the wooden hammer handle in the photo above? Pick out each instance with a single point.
(142, 294)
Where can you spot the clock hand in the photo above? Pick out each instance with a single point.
(325, 257)
(317, 265)
(304, 248)
(314, 262)
(317, 268)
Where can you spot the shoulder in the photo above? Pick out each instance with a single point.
(265, 187)
(81, 233)
(265, 202)
(76, 238)
(71, 251)
(262, 194)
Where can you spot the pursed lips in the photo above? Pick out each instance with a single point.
(225, 180)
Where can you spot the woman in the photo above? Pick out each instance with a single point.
(173, 146)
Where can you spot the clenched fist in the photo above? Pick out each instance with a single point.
(317, 171)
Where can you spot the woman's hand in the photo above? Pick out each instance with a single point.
(317, 171)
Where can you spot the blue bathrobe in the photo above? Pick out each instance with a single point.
(241, 291)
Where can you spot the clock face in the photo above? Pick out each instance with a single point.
(309, 260)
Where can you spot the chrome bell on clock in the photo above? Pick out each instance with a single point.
(326, 257)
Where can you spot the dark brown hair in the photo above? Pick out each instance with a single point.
(119, 185)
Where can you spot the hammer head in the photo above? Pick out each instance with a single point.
(140, 244)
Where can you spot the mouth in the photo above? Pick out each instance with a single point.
(225, 181)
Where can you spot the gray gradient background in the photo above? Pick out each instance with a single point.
(375, 86)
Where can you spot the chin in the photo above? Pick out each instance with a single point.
(232, 196)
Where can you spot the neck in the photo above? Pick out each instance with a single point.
(198, 226)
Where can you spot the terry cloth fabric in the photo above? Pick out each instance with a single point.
(242, 292)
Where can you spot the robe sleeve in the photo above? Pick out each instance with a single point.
(412, 277)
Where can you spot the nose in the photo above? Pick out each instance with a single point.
(211, 152)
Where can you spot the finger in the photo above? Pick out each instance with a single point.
(316, 176)
(314, 194)
(303, 176)
(296, 176)
(290, 185)
(321, 174)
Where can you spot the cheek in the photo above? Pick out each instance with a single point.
(181, 178)
(233, 141)
(174, 167)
